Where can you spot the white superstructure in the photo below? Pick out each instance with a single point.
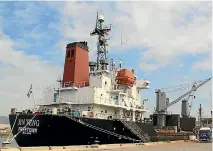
(104, 97)
(92, 88)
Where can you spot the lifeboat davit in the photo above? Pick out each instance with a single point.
(126, 77)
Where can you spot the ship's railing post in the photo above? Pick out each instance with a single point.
(70, 99)
(76, 98)
(87, 99)
(111, 100)
(95, 99)
(106, 100)
(63, 99)
(68, 84)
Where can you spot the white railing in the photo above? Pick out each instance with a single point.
(140, 106)
(107, 101)
(70, 99)
(142, 83)
(113, 116)
(33, 110)
(116, 116)
(116, 87)
(169, 112)
(98, 99)
(75, 100)
(104, 100)
(74, 84)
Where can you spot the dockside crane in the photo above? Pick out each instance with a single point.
(162, 103)
(191, 95)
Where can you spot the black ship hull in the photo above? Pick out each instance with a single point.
(60, 130)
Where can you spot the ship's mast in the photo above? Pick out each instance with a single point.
(102, 60)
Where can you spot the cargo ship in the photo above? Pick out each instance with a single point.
(95, 102)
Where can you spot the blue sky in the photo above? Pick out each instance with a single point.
(165, 42)
(26, 22)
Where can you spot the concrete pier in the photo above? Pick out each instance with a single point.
(122, 147)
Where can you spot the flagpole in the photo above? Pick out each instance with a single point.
(30, 92)
(33, 99)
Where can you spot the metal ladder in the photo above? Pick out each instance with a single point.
(134, 128)
(101, 130)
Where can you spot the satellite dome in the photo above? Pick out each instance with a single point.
(101, 18)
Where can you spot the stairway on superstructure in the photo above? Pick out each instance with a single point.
(135, 129)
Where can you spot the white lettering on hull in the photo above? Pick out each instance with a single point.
(27, 130)
(31, 128)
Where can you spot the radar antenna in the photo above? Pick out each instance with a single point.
(102, 60)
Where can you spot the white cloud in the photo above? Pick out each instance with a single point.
(17, 71)
(169, 29)
(203, 65)
(160, 26)
(149, 67)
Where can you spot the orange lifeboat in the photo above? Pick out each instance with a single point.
(125, 77)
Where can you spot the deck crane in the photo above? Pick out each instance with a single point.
(162, 103)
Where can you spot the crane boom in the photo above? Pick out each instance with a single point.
(187, 93)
